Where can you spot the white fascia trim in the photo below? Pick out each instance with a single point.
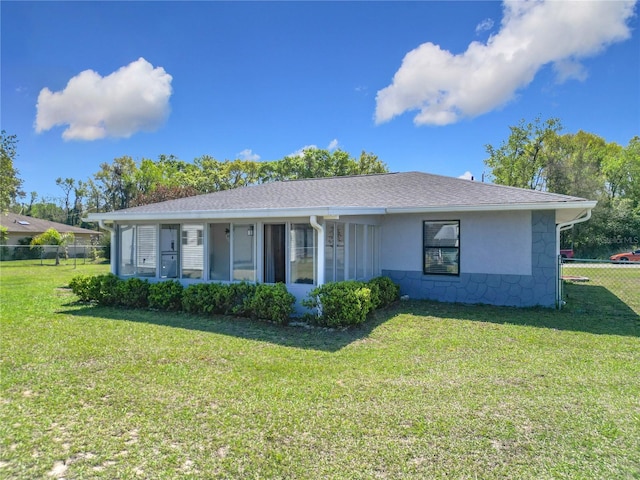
(584, 205)
(239, 213)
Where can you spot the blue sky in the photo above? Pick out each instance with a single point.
(423, 85)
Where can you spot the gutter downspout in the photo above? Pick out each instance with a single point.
(561, 227)
(313, 220)
(112, 231)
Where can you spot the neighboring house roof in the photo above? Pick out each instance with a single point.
(365, 194)
(29, 226)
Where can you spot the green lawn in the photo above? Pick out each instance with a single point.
(423, 390)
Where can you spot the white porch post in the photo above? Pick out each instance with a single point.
(320, 249)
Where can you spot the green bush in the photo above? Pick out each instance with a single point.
(166, 295)
(238, 302)
(133, 293)
(105, 289)
(83, 287)
(266, 301)
(383, 292)
(272, 302)
(194, 297)
(340, 304)
(206, 298)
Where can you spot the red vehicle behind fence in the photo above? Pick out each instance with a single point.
(566, 252)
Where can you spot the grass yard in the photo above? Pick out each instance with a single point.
(423, 390)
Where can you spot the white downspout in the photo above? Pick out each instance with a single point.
(112, 263)
(313, 220)
(559, 228)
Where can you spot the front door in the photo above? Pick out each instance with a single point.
(169, 250)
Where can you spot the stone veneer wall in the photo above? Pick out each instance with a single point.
(539, 288)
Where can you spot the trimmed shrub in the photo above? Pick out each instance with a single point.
(238, 301)
(194, 297)
(133, 293)
(82, 286)
(340, 304)
(166, 295)
(383, 292)
(205, 298)
(273, 303)
(106, 289)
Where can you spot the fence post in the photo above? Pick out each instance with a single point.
(560, 301)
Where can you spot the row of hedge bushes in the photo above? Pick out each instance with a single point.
(336, 304)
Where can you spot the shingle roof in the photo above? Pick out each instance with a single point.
(384, 191)
(33, 226)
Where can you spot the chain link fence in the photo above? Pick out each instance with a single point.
(592, 284)
(47, 254)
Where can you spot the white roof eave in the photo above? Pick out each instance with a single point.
(576, 205)
(332, 211)
(239, 213)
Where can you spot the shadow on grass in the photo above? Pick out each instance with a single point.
(312, 338)
(590, 309)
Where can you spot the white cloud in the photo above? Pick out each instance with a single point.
(300, 151)
(247, 154)
(445, 88)
(333, 144)
(466, 175)
(133, 98)
(484, 26)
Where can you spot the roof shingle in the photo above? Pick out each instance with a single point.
(389, 191)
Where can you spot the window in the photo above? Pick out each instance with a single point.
(302, 252)
(334, 252)
(146, 250)
(220, 251)
(244, 262)
(192, 251)
(363, 251)
(127, 249)
(441, 242)
(137, 250)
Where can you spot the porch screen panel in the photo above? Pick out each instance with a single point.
(334, 252)
(339, 252)
(372, 251)
(351, 275)
(329, 253)
(220, 252)
(302, 253)
(126, 250)
(360, 252)
(146, 251)
(192, 251)
(244, 262)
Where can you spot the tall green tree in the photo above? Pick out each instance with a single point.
(574, 164)
(117, 182)
(10, 182)
(585, 165)
(520, 160)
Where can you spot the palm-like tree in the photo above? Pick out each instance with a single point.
(53, 237)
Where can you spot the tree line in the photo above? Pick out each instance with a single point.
(125, 183)
(537, 155)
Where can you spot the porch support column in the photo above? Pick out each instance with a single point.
(113, 246)
(313, 220)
